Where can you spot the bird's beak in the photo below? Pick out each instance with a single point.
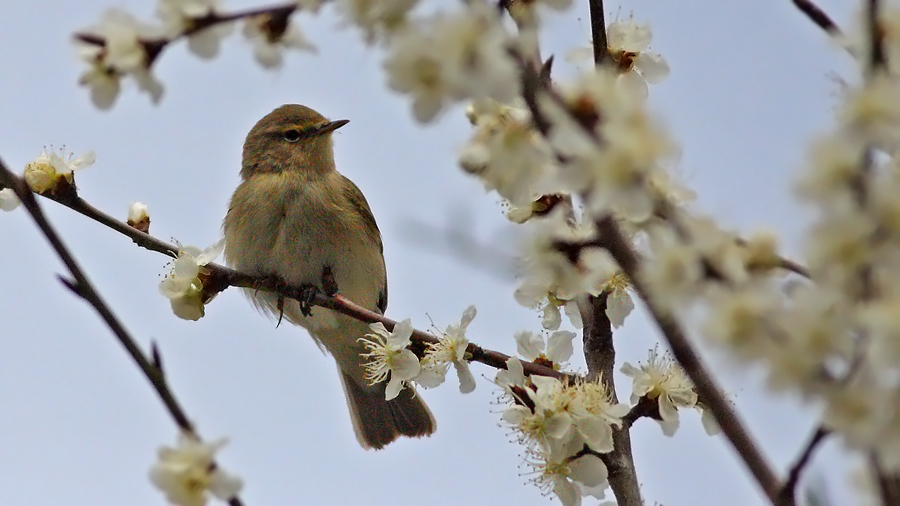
(331, 126)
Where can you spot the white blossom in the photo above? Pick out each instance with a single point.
(612, 146)
(628, 42)
(452, 57)
(557, 348)
(508, 155)
(138, 211)
(451, 349)
(179, 16)
(568, 478)
(182, 285)
(378, 19)
(512, 376)
(123, 53)
(50, 168)
(388, 356)
(663, 380)
(188, 472)
(269, 39)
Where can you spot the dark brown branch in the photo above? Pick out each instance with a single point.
(83, 288)
(600, 355)
(707, 389)
(818, 16)
(598, 32)
(787, 495)
(223, 277)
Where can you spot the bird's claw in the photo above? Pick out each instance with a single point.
(308, 294)
(279, 304)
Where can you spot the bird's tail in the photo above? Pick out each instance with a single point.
(378, 422)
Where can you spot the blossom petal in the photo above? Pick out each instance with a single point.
(405, 366)
(467, 317)
(401, 334)
(552, 317)
(652, 67)
(529, 344)
(559, 425)
(559, 346)
(567, 492)
(393, 388)
(618, 306)
(466, 379)
(224, 485)
(589, 469)
(212, 252)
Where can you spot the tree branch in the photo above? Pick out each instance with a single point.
(598, 32)
(708, 390)
(818, 16)
(221, 277)
(787, 491)
(82, 287)
(600, 355)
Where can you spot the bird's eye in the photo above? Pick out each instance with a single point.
(292, 135)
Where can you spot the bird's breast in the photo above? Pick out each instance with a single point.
(295, 228)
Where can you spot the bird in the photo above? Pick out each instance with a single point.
(294, 217)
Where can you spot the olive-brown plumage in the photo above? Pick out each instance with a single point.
(292, 216)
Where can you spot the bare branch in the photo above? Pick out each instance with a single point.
(81, 286)
(788, 490)
(598, 32)
(600, 355)
(818, 16)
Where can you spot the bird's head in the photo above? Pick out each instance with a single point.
(290, 138)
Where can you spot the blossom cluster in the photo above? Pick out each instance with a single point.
(390, 359)
(663, 381)
(831, 337)
(564, 425)
(121, 46)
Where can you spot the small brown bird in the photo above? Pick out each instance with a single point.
(294, 216)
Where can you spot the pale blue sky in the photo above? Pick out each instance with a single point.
(750, 85)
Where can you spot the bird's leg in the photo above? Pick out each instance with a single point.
(329, 284)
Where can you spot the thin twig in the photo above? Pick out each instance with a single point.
(790, 485)
(81, 286)
(598, 32)
(708, 390)
(818, 16)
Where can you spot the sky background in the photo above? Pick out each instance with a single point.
(751, 84)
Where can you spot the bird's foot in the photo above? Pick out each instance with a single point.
(306, 298)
